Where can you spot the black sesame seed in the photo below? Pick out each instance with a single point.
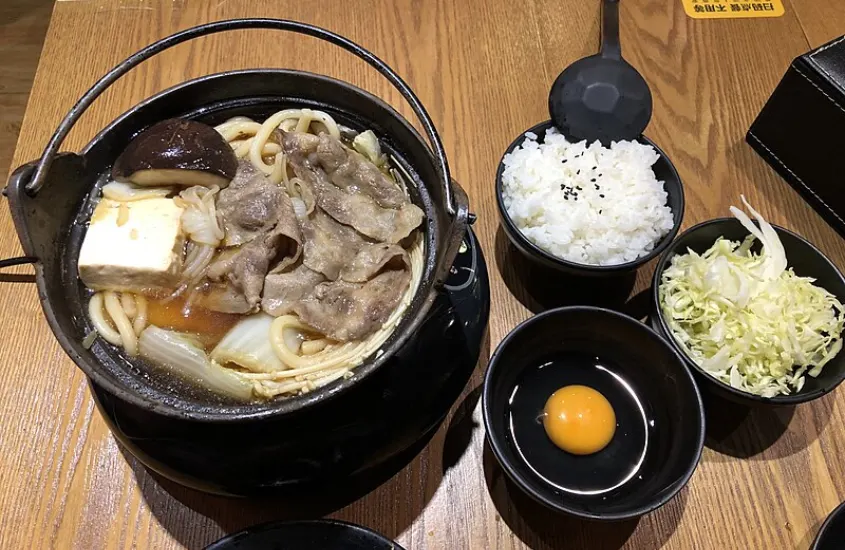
(599, 211)
(578, 187)
(601, 196)
(593, 180)
(564, 160)
(597, 187)
(578, 172)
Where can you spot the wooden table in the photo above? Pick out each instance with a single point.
(483, 69)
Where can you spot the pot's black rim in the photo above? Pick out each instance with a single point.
(379, 541)
(572, 267)
(414, 315)
(497, 442)
(715, 384)
(827, 522)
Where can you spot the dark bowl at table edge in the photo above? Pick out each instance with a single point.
(515, 477)
(828, 523)
(241, 537)
(712, 385)
(674, 189)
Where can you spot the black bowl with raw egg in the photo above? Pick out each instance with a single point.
(593, 414)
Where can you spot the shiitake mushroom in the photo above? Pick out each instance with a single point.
(177, 152)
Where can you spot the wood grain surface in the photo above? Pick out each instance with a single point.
(23, 24)
(483, 69)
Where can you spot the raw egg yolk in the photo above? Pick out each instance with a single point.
(579, 420)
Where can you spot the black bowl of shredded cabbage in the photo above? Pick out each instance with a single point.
(745, 330)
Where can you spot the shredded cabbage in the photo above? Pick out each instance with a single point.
(747, 319)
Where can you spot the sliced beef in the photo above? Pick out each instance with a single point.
(250, 206)
(352, 273)
(357, 210)
(282, 291)
(246, 266)
(299, 143)
(287, 235)
(222, 297)
(259, 219)
(351, 311)
(361, 212)
(352, 172)
(372, 258)
(329, 246)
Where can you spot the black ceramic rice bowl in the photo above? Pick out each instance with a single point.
(51, 202)
(804, 258)
(664, 171)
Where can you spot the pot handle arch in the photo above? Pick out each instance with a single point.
(453, 208)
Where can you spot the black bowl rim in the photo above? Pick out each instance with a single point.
(739, 395)
(496, 439)
(560, 263)
(827, 522)
(371, 535)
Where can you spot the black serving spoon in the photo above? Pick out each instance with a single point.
(602, 97)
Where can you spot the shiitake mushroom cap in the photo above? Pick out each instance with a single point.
(177, 152)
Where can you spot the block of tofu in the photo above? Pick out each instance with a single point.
(133, 246)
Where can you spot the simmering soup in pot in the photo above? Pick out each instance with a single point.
(257, 259)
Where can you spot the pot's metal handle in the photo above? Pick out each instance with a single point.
(254, 23)
(18, 178)
(456, 233)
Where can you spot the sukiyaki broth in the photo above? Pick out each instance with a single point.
(257, 259)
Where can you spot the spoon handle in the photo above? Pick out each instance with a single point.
(610, 47)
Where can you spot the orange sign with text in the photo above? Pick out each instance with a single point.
(731, 9)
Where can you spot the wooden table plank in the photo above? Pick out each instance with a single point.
(483, 71)
(24, 23)
(821, 21)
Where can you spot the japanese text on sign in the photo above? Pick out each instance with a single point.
(717, 9)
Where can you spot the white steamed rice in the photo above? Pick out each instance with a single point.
(586, 204)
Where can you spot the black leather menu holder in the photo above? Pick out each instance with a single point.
(801, 130)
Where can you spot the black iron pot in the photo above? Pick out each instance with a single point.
(191, 436)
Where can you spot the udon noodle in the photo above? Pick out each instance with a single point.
(303, 357)
(119, 318)
(251, 139)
